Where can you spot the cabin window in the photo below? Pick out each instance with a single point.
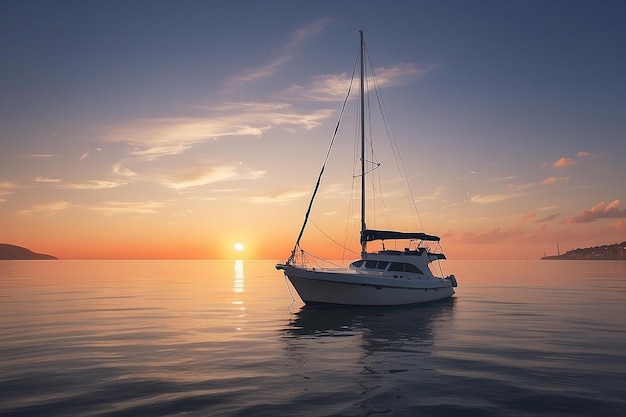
(382, 264)
(396, 267)
(402, 267)
(412, 268)
(358, 263)
(371, 264)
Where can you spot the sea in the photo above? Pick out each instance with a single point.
(230, 338)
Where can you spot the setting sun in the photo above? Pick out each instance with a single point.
(239, 247)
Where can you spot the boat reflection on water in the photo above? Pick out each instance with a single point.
(407, 329)
(378, 356)
(415, 322)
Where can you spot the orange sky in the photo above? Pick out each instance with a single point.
(124, 138)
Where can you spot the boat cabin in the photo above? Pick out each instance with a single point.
(383, 266)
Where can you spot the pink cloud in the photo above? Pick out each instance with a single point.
(552, 180)
(600, 211)
(563, 162)
(490, 236)
(548, 218)
(619, 225)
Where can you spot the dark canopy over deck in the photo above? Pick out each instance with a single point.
(370, 235)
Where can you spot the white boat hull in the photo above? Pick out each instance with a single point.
(323, 286)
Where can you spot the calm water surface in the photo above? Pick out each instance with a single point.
(212, 338)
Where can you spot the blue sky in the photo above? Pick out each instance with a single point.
(166, 116)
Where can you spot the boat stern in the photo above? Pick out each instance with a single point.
(452, 279)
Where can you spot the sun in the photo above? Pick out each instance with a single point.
(239, 247)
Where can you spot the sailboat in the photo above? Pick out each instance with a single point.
(379, 278)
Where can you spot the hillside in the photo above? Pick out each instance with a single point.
(12, 252)
(614, 252)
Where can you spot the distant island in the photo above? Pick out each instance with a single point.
(13, 253)
(614, 252)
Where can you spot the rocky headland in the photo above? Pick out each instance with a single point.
(614, 252)
(12, 252)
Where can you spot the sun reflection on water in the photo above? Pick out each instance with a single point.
(239, 279)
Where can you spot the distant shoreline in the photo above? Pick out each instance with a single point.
(614, 252)
(15, 253)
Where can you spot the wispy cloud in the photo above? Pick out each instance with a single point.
(281, 196)
(520, 187)
(490, 198)
(7, 185)
(111, 208)
(520, 232)
(41, 155)
(46, 210)
(47, 180)
(495, 235)
(155, 138)
(548, 218)
(205, 174)
(6, 188)
(94, 185)
(89, 152)
(552, 180)
(435, 195)
(566, 162)
(400, 73)
(563, 162)
(509, 178)
(119, 169)
(285, 54)
(527, 217)
(333, 87)
(600, 211)
(619, 225)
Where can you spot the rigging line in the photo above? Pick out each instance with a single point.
(331, 239)
(319, 178)
(377, 191)
(324, 261)
(375, 166)
(350, 229)
(394, 144)
(372, 161)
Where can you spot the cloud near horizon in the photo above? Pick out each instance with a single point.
(527, 229)
(548, 218)
(600, 211)
(47, 209)
(111, 208)
(490, 198)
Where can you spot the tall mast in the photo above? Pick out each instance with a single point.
(363, 241)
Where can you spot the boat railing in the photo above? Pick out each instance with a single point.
(308, 260)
